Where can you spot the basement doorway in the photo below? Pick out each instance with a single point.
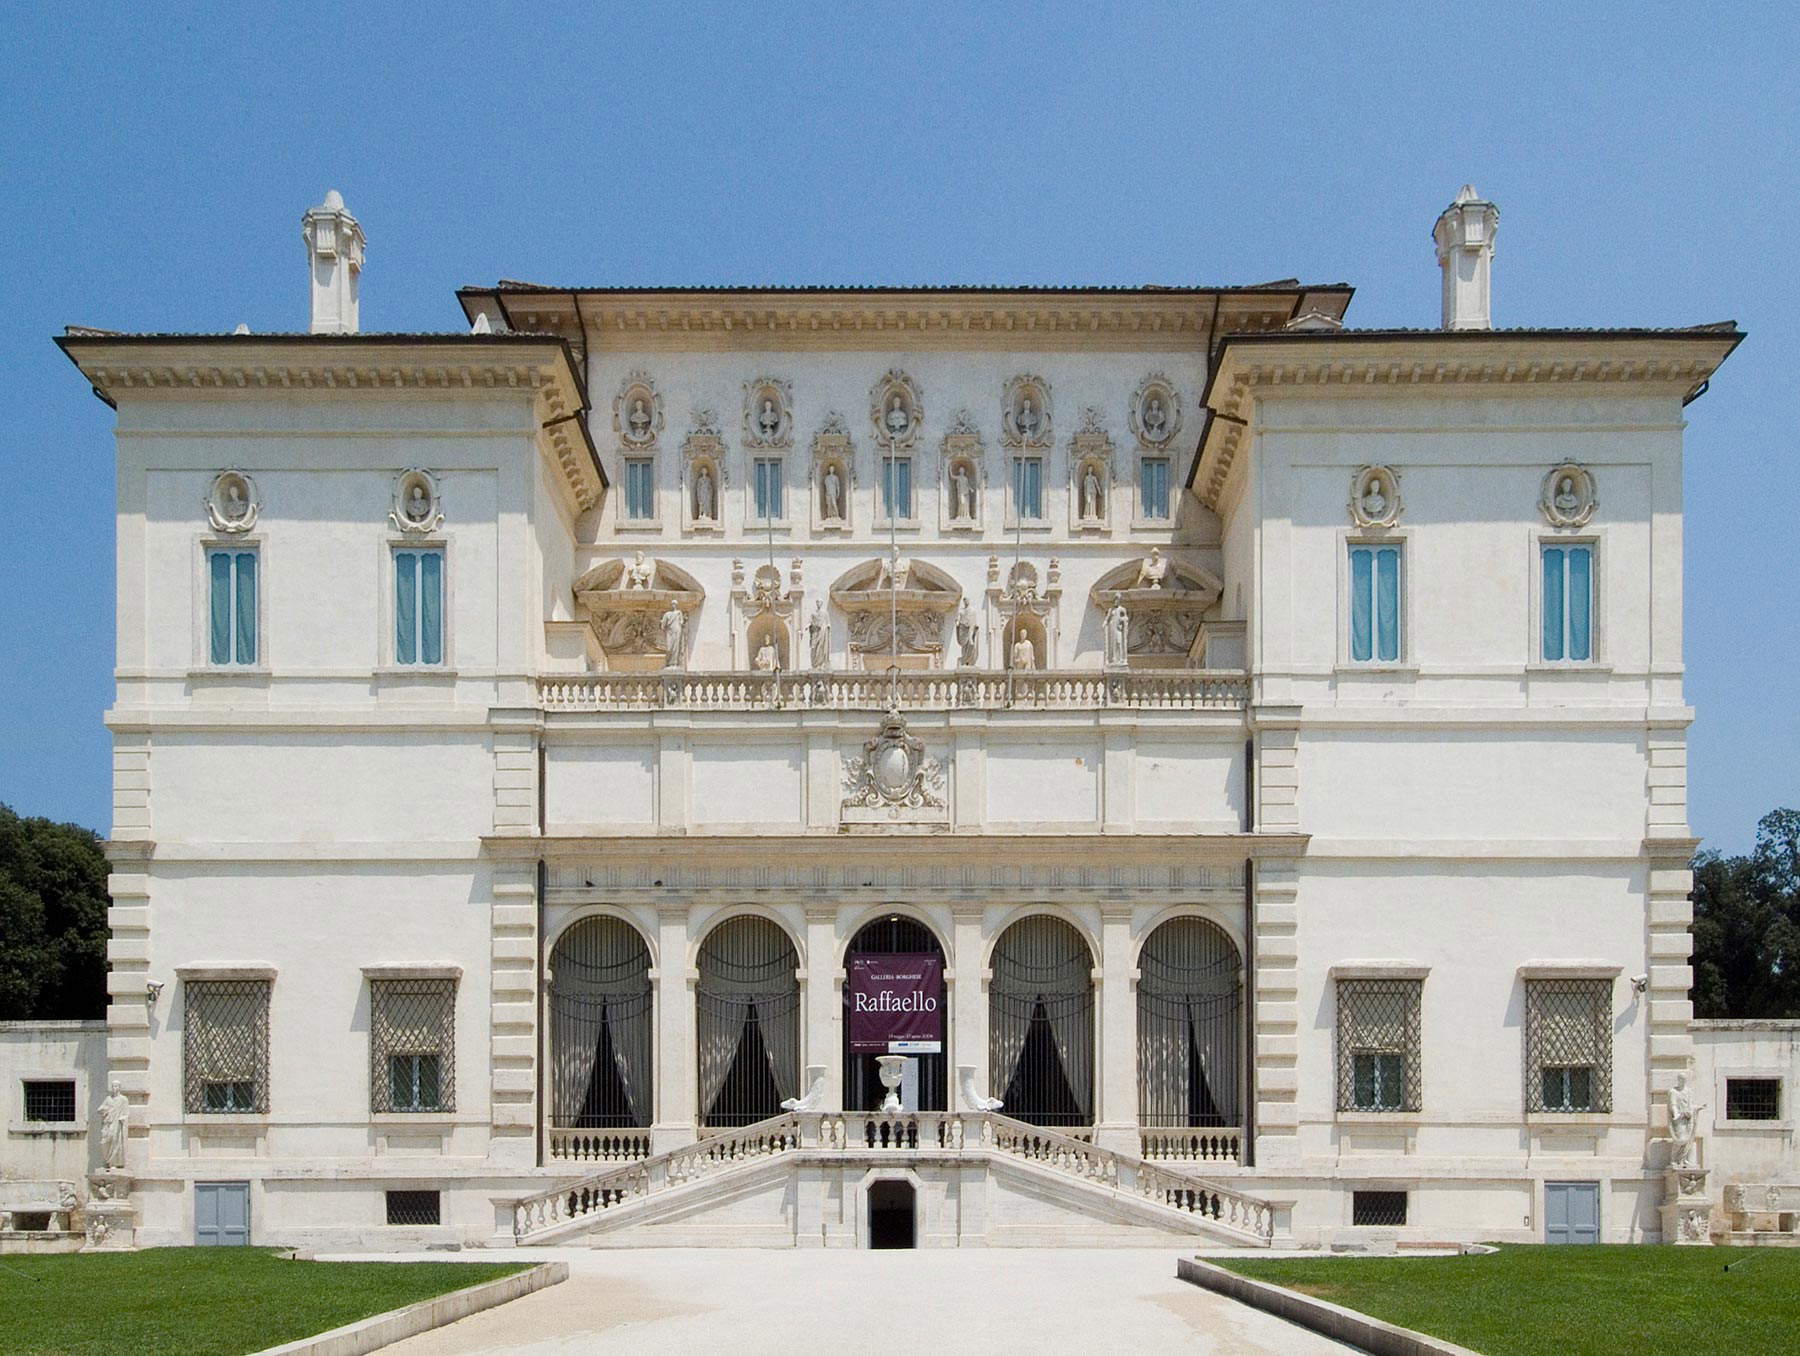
(892, 1214)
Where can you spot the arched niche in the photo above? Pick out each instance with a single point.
(1030, 627)
(769, 633)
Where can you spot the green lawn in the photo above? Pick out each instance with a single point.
(202, 1301)
(1568, 1301)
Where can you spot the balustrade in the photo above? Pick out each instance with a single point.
(1192, 1146)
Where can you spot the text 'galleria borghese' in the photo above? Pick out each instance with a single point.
(952, 766)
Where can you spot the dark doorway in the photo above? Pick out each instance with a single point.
(896, 935)
(891, 1210)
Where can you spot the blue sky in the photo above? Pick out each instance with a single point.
(156, 159)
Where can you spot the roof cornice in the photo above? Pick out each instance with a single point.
(1352, 364)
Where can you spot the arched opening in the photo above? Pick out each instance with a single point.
(1041, 1023)
(600, 1027)
(747, 999)
(1025, 627)
(1190, 1013)
(892, 936)
(893, 1214)
(767, 644)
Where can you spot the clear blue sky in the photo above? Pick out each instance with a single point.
(156, 161)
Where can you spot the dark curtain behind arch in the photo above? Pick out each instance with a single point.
(1190, 1014)
(600, 1027)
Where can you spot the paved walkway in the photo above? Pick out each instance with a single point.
(1001, 1300)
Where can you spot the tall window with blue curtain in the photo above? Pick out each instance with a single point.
(1568, 603)
(1153, 487)
(640, 488)
(419, 607)
(897, 488)
(766, 484)
(1028, 487)
(1375, 604)
(231, 606)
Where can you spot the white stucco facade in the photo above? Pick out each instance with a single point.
(1458, 818)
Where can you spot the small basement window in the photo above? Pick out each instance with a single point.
(1752, 1099)
(31, 1221)
(1378, 1209)
(414, 1207)
(50, 1099)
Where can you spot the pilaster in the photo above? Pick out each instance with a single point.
(677, 1094)
(1276, 1012)
(1116, 1114)
(513, 1015)
(824, 987)
(969, 998)
(129, 1010)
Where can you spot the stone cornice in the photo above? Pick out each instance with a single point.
(1350, 364)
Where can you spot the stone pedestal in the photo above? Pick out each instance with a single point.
(110, 1214)
(1687, 1206)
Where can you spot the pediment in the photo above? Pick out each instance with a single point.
(1184, 586)
(612, 577)
(904, 582)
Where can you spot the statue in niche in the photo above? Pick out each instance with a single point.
(673, 624)
(1153, 570)
(1117, 633)
(1090, 494)
(1567, 502)
(1024, 653)
(640, 574)
(962, 493)
(968, 636)
(768, 421)
(418, 504)
(768, 656)
(898, 421)
(1374, 502)
(115, 1118)
(705, 500)
(818, 638)
(1028, 420)
(1682, 1111)
(831, 486)
(638, 421)
(1156, 420)
(236, 508)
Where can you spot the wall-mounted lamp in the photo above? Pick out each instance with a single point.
(152, 991)
(1639, 983)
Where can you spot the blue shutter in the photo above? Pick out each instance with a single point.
(1387, 604)
(406, 607)
(903, 479)
(431, 607)
(1553, 603)
(1362, 603)
(1155, 477)
(219, 607)
(246, 607)
(1581, 602)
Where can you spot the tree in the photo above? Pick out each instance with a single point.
(1747, 925)
(52, 920)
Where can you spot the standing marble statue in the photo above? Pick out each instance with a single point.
(705, 506)
(674, 635)
(833, 489)
(115, 1118)
(1090, 495)
(963, 494)
(1024, 653)
(818, 639)
(1118, 631)
(968, 636)
(768, 657)
(1682, 1111)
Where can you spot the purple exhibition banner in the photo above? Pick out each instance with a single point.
(896, 1005)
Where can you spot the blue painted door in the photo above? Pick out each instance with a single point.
(222, 1214)
(1571, 1212)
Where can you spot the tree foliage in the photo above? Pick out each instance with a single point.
(52, 920)
(1747, 925)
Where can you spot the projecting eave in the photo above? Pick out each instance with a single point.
(1174, 319)
(1353, 363)
(130, 366)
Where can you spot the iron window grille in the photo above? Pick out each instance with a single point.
(50, 1099)
(414, 1207)
(1752, 1099)
(1568, 1045)
(225, 1046)
(1378, 1209)
(412, 1045)
(1378, 1044)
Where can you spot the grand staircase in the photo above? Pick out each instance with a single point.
(1081, 1176)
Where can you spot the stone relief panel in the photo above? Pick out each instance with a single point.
(768, 413)
(1568, 499)
(964, 463)
(893, 781)
(416, 509)
(640, 611)
(1025, 414)
(1375, 497)
(834, 475)
(897, 410)
(703, 474)
(637, 412)
(1155, 412)
(1091, 470)
(232, 504)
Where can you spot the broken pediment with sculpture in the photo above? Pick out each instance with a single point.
(640, 610)
(1156, 606)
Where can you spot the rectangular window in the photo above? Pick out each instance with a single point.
(225, 1046)
(1378, 1044)
(1568, 603)
(1375, 604)
(897, 488)
(640, 488)
(231, 606)
(766, 482)
(1153, 487)
(1746, 1099)
(50, 1099)
(1028, 488)
(414, 1207)
(1378, 1209)
(1568, 1045)
(412, 1045)
(419, 607)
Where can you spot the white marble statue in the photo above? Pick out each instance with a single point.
(418, 504)
(898, 420)
(968, 636)
(832, 486)
(673, 624)
(1567, 502)
(1118, 631)
(972, 1098)
(1156, 423)
(1028, 419)
(814, 1097)
(236, 506)
(768, 657)
(818, 638)
(1090, 494)
(962, 493)
(1153, 570)
(1682, 1113)
(640, 574)
(1024, 653)
(768, 422)
(115, 1118)
(1374, 502)
(705, 501)
(639, 420)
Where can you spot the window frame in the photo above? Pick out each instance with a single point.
(1144, 518)
(1535, 1065)
(1783, 1121)
(194, 1086)
(420, 549)
(623, 522)
(1351, 986)
(1400, 542)
(388, 663)
(17, 1124)
(882, 517)
(1548, 541)
(1015, 462)
(753, 516)
(627, 463)
(207, 545)
(386, 986)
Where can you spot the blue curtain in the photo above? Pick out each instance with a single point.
(1028, 487)
(1553, 603)
(1362, 601)
(1387, 600)
(1156, 487)
(246, 607)
(896, 487)
(219, 600)
(638, 501)
(431, 607)
(406, 607)
(1581, 602)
